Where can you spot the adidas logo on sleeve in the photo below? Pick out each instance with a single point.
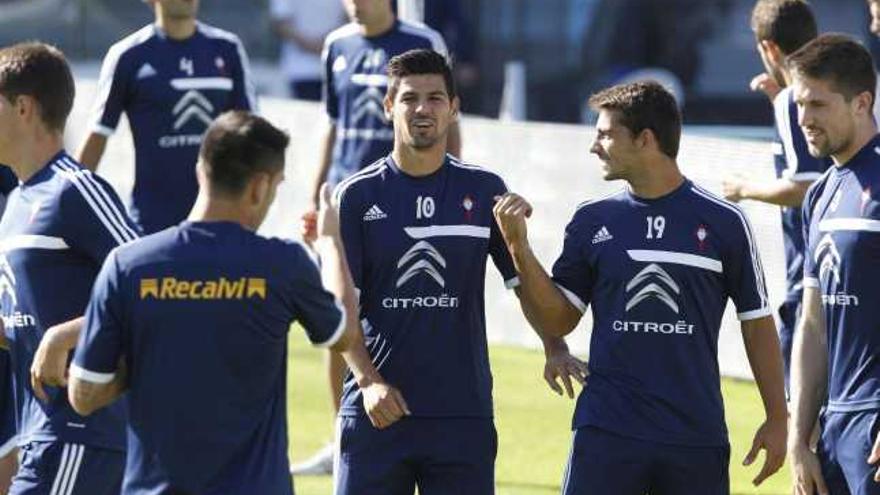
(374, 213)
(602, 235)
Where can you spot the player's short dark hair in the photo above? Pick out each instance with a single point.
(419, 62)
(839, 60)
(644, 105)
(788, 23)
(40, 71)
(239, 145)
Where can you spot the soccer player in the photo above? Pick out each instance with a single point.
(837, 343)
(781, 27)
(193, 322)
(417, 228)
(171, 79)
(58, 227)
(657, 262)
(358, 132)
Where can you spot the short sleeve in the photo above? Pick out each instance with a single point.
(112, 92)
(811, 270)
(244, 96)
(101, 341)
(498, 248)
(351, 225)
(97, 221)
(328, 93)
(571, 271)
(743, 272)
(320, 314)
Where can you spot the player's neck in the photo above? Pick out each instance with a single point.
(417, 162)
(37, 153)
(209, 208)
(176, 29)
(864, 134)
(380, 26)
(657, 180)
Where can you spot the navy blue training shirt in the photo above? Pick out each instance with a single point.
(657, 274)
(842, 231)
(170, 90)
(201, 312)
(417, 248)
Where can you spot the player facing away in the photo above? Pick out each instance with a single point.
(59, 225)
(357, 131)
(657, 263)
(836, 356)
(193, 323)
(418, 229)
(8, 457)
(781, 27)
(170, 78)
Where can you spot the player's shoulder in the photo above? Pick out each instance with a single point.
(475, 172)
(223, 38)
(816, 188)
(362, 180)
(76, 182)
(718, 210)
(132, 45)
(421, 31)
(341, 33)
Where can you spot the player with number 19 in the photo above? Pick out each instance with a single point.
(657, 262)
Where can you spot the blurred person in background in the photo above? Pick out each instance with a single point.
(357, 131)
(301, 26)
(781, 27)
(171, 78)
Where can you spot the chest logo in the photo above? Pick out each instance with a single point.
(422, 258)
(828, 259)
(192, 105)
(374, 213)
(652, 283)
(374, 59)
(702, 234)
(369, 103)
(340, 64)
(602, 235)
(146, 71)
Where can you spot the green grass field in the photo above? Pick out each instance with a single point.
(532, 422)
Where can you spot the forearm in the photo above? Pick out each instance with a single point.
(543, 304)
(809, 377)
(91, 151)
(765, 359)
(87, 397)
(327, 143)
(783, 192)
(66, 334)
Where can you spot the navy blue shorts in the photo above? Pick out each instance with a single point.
(786, 321)
(441, 456)
(844, 447)
(55, 468)
(603, 463)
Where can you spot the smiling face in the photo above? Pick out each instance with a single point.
(421, 111)
(614, 145)
(827, 119)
